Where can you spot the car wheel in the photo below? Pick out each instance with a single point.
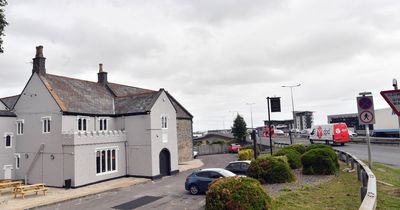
(194, 190)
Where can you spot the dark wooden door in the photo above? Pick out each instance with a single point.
(165, 163)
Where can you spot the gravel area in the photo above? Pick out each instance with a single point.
(302, 180)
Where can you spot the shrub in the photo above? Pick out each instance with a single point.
(294, 157)
(237, 193)
(246, 154)
(317, 146)
(321, 161)
(298, 147)
(271, 170)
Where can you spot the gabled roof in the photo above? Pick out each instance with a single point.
(181, 112)
(9, 101)
(138, 103)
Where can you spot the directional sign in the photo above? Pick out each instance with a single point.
(366, 113)
(392, 97)
(275, 104)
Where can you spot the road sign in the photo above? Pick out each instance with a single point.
(366, 113)
(275, 104)
(392, 97)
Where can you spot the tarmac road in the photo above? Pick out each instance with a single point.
(169, 193)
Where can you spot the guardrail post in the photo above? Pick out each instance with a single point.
(363, 192)
(364, 184)
(358, 171)
(347, 159)
(352, 163)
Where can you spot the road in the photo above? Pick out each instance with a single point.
(388, 154)
(168, 193)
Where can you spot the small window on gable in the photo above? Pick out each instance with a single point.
(103, 124)
(164, 122)
(46, 121)
(20, 127)
(82, 124)
(8, 140)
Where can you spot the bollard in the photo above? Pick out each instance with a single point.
(358, 171)
(347, 159)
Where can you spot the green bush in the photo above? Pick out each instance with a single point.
(321, 161)
(300, 148)
(246, 154)
(294, 157)
(271, 170)
(317, 146)
(237, 193)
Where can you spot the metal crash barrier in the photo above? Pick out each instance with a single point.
(368, 190)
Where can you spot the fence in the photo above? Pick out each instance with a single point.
(368, 190)
(210, 149)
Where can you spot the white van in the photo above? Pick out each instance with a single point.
(330, 133)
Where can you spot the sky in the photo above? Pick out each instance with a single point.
(215, 57)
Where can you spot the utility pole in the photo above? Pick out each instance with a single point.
(291, 94)
(395, 86)
(251, 113)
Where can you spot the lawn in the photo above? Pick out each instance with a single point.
(343, 192)
(340, 193)
(388, 186)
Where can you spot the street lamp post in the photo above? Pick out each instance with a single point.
(251, 113)
(291, 94)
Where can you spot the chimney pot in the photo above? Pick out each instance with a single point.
(39, 62)
(100, 67)
(102, 75)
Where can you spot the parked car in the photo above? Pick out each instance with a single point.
(234, 148)
(352, 133)
(198, 181)
(195, 153)
(238, 167)
(279, 132)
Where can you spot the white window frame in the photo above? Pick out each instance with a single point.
(11, 140)
(101, 123)
(106, 160)
(164, 121)
(20, 127)
(17, 156)
(86, 119)
(46, 129)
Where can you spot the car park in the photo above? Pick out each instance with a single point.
(197, 182)
(234, 148)
(238, 167)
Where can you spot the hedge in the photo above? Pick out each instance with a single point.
(237, 193)
(298, 147)
(246, 154)
(294, 157)
(320, 161)
(315, 146)
(271, 170)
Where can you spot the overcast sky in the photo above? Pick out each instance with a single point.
(213, 56)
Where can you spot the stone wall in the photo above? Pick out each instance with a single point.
(185, 141)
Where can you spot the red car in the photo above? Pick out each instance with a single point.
(234, 148)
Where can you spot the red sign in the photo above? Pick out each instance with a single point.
(319, 132)
(392, 97)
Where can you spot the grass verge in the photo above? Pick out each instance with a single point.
(388, 186)
(340, 193)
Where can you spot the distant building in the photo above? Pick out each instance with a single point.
(385, 121)
(304, 120)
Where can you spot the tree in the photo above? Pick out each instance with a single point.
(3, 23)
(239, 128)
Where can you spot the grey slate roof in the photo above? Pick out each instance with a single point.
(86, 97)
(10, 101)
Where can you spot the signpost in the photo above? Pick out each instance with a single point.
(275, 107)
(392, 97)
(366, 116)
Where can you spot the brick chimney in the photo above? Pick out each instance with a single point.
(39, 62)
(102, 75)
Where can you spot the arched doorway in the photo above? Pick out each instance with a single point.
(165, 163)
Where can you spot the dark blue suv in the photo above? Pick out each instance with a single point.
(198, 181)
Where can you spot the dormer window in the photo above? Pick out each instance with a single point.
(164, 122)
(103, 124)
(46, 124)
(82, 124)
(20, 127)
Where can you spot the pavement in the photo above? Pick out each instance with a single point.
(57, 195)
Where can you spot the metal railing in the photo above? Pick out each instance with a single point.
(368, 190)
